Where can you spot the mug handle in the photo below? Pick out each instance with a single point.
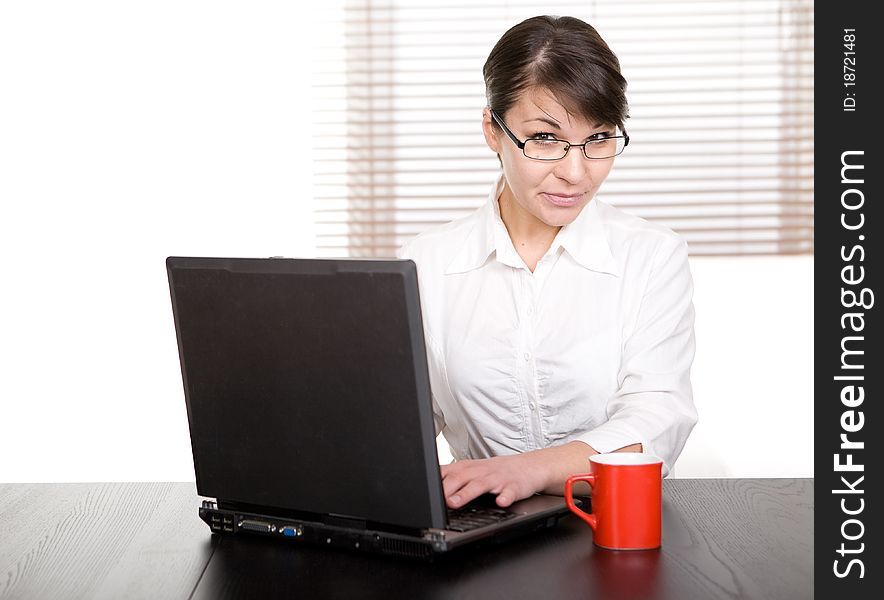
(569, 498)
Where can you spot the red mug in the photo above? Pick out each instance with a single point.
(626, 500)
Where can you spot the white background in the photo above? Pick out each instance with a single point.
(131, 132)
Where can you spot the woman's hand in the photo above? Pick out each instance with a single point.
(519, 476)
(510, 478)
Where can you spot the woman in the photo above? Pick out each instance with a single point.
(557, 326)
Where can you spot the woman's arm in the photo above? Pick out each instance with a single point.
(654, 404)
(518, 476)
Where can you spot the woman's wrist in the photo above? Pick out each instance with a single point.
(560, 462)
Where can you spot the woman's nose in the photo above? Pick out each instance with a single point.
(573, 167)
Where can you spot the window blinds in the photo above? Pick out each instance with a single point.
(721, 125)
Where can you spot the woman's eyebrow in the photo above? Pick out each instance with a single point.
(549, 122)
(555, 124)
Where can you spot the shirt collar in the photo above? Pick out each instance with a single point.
(584, 240)
(484, 238)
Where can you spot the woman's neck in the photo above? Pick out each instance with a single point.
(531, 237)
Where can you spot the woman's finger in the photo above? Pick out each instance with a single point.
(472, 490)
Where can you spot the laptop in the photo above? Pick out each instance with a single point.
(308, 400)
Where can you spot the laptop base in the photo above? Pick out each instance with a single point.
(425, 544)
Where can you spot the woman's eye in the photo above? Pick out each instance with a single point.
(543, 136)
(600, 136)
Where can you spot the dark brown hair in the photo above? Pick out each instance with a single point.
(564, 55)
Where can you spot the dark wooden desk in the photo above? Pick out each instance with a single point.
(722, 538)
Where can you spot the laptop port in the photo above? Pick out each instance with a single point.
(290, 531)
(259, 526)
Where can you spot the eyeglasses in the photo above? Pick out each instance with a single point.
(553, 149)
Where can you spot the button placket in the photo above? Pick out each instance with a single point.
(522, 293)
(523, 377)
(530, 362)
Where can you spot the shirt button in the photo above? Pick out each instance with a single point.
(527, 356)
(530, 310)
(533, 406)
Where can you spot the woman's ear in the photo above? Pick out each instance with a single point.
(490, 133)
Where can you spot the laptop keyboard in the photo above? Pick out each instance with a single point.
(469, 517)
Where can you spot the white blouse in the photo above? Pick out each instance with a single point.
(595, 345)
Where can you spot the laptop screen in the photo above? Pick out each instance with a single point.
(306, 386)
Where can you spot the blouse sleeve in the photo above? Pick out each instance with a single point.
(404, 252)
(653, 404)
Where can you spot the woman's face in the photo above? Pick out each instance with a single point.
(549, 192)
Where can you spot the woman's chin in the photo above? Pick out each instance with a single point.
(560, 216)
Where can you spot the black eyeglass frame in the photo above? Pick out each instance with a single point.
(521, 145)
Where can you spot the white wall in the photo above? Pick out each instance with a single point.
(753, 372)
(129, 133)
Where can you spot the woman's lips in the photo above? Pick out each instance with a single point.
(562, 199)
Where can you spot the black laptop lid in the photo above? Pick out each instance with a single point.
(306, 386)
